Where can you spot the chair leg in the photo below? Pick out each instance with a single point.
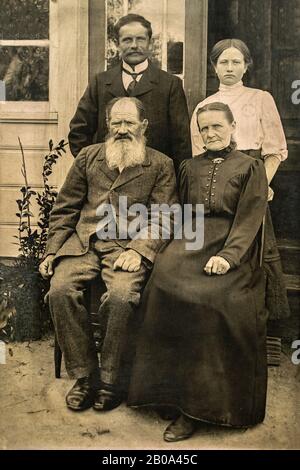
(57, 358)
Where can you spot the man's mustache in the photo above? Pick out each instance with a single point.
(123, 137)
(134, 51)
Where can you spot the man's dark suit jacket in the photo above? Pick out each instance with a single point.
(166, 110)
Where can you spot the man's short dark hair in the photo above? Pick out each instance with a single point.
(139, 106)
(132, 18)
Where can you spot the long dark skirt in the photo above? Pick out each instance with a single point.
(202, 346)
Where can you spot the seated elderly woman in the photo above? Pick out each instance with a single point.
(201, 348)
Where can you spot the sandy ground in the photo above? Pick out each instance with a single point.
(33, 414)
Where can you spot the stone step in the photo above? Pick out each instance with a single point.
(273, 350)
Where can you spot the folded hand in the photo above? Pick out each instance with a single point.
(129, 261)
(46, 267)
(216, 265)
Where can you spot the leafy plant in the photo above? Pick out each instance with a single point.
(32, 243)
(22, 289)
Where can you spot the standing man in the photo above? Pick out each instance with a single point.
(101, 176)
(160, 92)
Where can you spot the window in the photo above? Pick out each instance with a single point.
(24, 50)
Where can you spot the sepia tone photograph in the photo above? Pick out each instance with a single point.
(149, 225)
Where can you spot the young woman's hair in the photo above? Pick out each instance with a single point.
(216, 106)
(221, 46)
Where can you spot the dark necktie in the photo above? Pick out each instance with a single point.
(134, 82)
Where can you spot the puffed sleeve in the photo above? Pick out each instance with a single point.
(197, 142)
(274, 142)
(250, 211)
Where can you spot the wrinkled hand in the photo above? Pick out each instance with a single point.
(270, 194)
(45, 268)
(129, 261)
(216, 265)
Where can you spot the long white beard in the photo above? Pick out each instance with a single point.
(125, 153)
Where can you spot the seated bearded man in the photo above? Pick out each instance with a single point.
(75, 255)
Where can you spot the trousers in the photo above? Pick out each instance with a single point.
(68, 306)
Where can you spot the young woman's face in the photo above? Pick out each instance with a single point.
(230, 66)
(216, 130)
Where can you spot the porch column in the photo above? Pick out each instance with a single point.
(195, 51)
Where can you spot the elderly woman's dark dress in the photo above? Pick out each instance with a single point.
(202, 344)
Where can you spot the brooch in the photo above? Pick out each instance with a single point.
(218, 160)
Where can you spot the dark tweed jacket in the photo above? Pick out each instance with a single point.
(90, 183)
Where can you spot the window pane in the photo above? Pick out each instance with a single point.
(24, 19)
(25, 72)
(114, 9)
(176, 34)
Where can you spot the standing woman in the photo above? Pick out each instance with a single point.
(259, 133)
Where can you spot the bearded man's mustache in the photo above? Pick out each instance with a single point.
(123, 137)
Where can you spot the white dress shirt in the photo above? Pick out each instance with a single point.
(258, 124)
(139, 68)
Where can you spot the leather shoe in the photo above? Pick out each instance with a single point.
(182, 428)
(82, 395)
(107, 398)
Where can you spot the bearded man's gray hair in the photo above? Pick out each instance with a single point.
(125, 152)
